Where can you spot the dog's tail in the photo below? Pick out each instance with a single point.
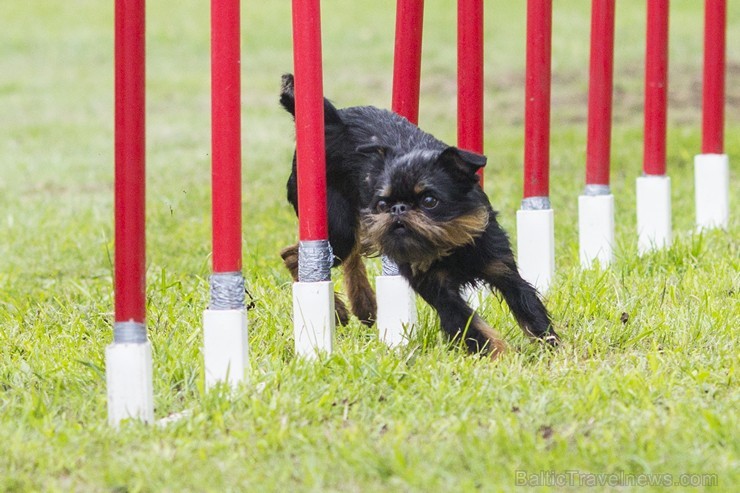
(287, 99)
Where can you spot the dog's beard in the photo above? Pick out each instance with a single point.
(417, 239)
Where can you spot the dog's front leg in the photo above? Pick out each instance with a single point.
(522, 298)
(457, 319)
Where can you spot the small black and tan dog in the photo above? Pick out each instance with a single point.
(395, 190)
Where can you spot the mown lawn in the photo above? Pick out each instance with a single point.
(643, 387)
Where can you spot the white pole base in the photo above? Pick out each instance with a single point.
(712, 190)
(596, 229)
(225, 347)
(396, 309)
(128, 373)
(536, 246)
(654, 229)
(474, 296)
(313, 318)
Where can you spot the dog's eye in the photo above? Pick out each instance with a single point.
(381, 206)
(429, 202)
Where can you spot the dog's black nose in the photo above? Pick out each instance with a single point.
(399, 208)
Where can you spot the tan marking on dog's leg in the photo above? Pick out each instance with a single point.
(496, 345)
(290, 259)
(358, 288)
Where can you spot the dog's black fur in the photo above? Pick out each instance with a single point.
(395, 190)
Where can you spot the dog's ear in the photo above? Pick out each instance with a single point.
(462, 163)
(287, 95)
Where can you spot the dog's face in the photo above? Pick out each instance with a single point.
(423, 205)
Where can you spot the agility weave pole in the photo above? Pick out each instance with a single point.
(653, 188)
(712, 166)
(470, 76)
(313, 293)
(407, 59)
(470, 94)
(225, 343)
(396, 300)
(535, 219)
(596, 204)
(128, 360)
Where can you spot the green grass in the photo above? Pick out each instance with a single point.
(650, 392)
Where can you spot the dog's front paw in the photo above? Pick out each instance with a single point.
(551, 339)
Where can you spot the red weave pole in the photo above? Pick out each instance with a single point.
(130, 243)
(713, 103)
(309, 121)
(407, 58)
(537, 95)
(656, 87)
(226, 136)
(470, 76)
(601, 70)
